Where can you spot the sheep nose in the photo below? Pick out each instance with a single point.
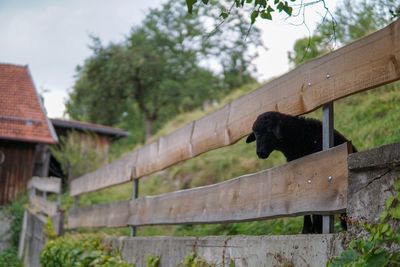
(262, 154)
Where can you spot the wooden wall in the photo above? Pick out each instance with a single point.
(16, 168)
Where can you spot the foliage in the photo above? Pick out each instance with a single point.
(261, 8)
(152, 261)
(381, 248)
(78, 153)
(17, 210)
(80, 250)
(9, 258)
(157, 72)
(192, 260)
(48, 230)
(350, 21)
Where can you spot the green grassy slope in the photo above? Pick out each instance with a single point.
(369, 119)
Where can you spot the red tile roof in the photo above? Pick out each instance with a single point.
(22, 116)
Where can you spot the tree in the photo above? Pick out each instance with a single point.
(157, 71)
(352, 20)
(78, 154)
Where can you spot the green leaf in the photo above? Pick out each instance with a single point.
(266, 15)
(397, 185)
(190, 4)
(347, 256)
(280, 6)
(261, 3)
(383, 216)
(377, 260)
(288, 9)
(224, 14)
(205, 1)
(396, 212)
(276, 2)
(389, 201)
(254, 15)
(249, 1)
(270, 9)
(385, 227)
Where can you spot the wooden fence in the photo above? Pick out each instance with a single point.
(313, 184)
(39, 209)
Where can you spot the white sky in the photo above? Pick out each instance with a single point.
(52, 37)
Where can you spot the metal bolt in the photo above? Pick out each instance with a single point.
(328, 75)
(309, 181)
(330, 178)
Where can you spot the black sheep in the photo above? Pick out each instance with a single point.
(295, 137)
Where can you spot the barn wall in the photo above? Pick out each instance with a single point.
(16, 168)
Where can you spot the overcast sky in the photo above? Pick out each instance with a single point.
(52, 37)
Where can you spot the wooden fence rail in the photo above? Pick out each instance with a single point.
(313, 184)
(41, 203)
(362, 65)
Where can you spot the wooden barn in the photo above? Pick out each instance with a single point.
(25, 131)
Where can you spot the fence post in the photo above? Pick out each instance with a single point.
(327, 142)
(135, 195)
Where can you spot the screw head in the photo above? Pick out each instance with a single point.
(309, 181)
(328, 75)
(309, 84)
(330, 178)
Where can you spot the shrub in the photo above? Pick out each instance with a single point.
(381, 248)
(80, 250)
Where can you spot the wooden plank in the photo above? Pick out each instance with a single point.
(48, 207)
(299, 187)
(119, 171)
(367, 63)
(45, 184)
(108, 215)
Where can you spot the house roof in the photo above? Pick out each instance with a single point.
(22, 115)
(85, 126)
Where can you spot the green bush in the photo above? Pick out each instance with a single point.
(80, 250)
(9, 258)
(381, 248)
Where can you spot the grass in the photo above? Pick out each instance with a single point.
(370, 119)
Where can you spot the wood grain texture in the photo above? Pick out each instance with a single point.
(367, 63)
(45, 184)
(48, 207)
(108, 215)
(117, 172)
(299, 187)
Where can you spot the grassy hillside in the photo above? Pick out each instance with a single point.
(369, 119)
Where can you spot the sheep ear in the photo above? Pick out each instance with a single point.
(277, 131)
(251, 138)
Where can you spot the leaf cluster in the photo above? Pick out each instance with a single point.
(193, 260)
(381, 248)
(152, 261)
(80, 251)
(350, 21)
(260, 8)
